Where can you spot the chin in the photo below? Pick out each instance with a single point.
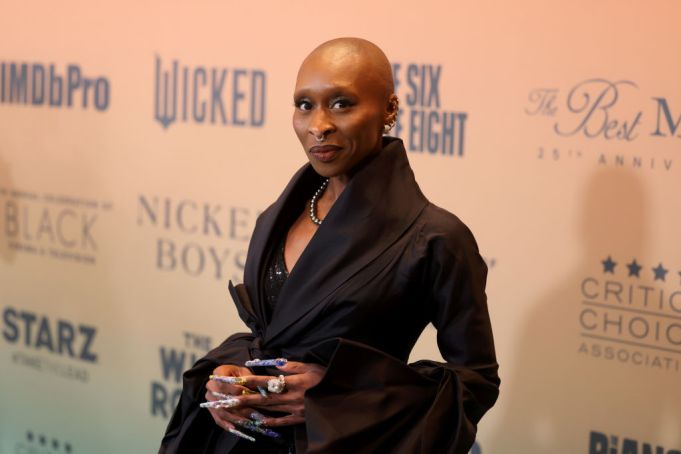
(325, 170)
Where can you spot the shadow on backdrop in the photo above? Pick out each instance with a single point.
(556, 395)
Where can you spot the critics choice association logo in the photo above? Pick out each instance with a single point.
(208, 95)
(51, 226)
(631, 313)
(599, 112)
(38, 84)
(39, 443)
(422, 123)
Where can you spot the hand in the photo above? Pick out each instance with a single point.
(299, 378)
(224, 417)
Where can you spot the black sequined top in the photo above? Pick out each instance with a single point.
(274, 281)
(276, 276)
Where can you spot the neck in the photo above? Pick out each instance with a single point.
(335, 187)
(324, 203)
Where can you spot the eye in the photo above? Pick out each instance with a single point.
(341, 103)
(303, 104)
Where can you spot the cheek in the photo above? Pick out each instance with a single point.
(299, 126)
(366, 131)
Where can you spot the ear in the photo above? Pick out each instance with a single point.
(392, 107)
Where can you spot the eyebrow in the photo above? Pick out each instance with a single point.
(330, 92)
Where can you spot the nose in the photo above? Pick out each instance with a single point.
(320, 124)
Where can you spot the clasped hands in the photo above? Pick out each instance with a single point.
(299, 378)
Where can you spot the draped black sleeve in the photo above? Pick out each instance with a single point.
(373, 400)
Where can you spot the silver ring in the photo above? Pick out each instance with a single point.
(276, 385)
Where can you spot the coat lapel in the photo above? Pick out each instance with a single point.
(379, 203)
(264, 235)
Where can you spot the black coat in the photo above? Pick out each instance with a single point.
(384, 263)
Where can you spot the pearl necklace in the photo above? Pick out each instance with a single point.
(313, 202)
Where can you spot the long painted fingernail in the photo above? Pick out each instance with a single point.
(257, 417)
(266, 362)
(227, 403)
(222, 396)
(240, 434)
(263, 391)
(250, 425)
(229, 380)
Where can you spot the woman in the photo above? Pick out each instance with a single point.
(344, 271)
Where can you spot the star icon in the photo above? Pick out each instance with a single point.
(634, 268)
(660, 272)
(609, 265)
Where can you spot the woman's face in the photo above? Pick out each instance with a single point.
(339, 113)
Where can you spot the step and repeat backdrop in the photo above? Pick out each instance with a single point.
(139, 141)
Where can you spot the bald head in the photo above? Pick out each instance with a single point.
(344, 101)
(359, 54)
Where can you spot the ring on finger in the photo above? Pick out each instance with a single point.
(276, 385)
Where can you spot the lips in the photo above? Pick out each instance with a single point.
(325, 153)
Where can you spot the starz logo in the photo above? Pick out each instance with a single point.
(634, 269)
